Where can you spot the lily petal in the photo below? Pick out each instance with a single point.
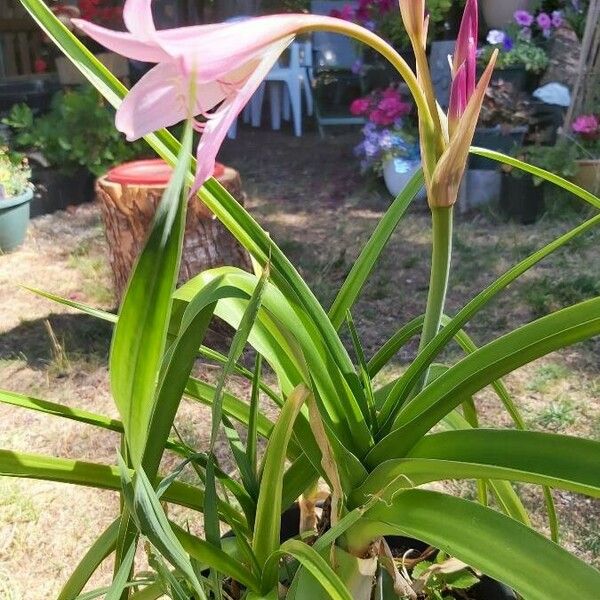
(218, 124)
(143, 109)
(137, 15)
(458, 98)
(451, 166)
(466, 45)
(123, 43)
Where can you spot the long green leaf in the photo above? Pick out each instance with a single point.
(541, 173)
(100, 549)
(59, 410)
(149, 515)
(140, 334)
(364, 264)
(64, 470)
(547, 459)
(314, 563)
(489, 363)
(207, 554)
(268, 513)
(119, 583)
(401, 390)
(502, 548)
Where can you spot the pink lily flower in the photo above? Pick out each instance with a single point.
(466, 98)
(464, 64)
(227, 62)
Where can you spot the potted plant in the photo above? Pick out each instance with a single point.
(586, 133)
(389, 147)
(522, 47)
(16, 192)
(497, 13)
(69, 146)
(503, 123)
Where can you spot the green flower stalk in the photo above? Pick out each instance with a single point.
(445, 150)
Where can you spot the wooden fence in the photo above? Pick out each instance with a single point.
(20, 40)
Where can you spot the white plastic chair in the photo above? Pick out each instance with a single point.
(291, 80)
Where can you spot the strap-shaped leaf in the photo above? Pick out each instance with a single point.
(119, 582)
(140, 335)
(100, 549)
(364, 264)
(268, 512)
(489, 363)
(59, 410)
(399, 393)
(502, 548)
(532, 457)
(145, 508)
(541, 173)
(313, 562)
(78, 472)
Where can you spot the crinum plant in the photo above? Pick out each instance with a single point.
(374, 447)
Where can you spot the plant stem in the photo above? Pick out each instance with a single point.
(442, 219)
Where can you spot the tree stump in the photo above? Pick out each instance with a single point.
(128, 210)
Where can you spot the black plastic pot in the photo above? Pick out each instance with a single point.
(517, 76)
(486, 589)
(36, 92)
(495, 138)
(520, 199)
(56, 190)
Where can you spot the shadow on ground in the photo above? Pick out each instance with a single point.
(57, 336)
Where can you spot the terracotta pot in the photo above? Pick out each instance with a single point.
(498, 13)
(588, 175)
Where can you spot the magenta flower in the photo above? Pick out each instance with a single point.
(466, 98)
(544, 21)
(523, 18)
(587, 126)
(465, 59)
(226, 61)
(360, 106)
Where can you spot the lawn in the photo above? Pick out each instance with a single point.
(309, 195)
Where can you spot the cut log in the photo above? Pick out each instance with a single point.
(127, 212)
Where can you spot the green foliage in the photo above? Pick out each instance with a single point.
(372, 446)
(78, 131)
(440, 580)
(523, 54)
(14, 174)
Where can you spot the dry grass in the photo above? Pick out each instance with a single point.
(321, 223)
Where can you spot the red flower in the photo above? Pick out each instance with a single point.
(40, 65)
(360, 106)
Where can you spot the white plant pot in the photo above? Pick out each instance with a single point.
(499, 13)
(396, 175)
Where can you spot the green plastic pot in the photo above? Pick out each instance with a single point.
(14, 218)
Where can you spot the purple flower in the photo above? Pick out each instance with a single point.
(508, 44)
(557, 19)
(544, 21)
(523, 18)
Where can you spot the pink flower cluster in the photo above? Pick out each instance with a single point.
(381, 107)
(365, 13)
(587, 126)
